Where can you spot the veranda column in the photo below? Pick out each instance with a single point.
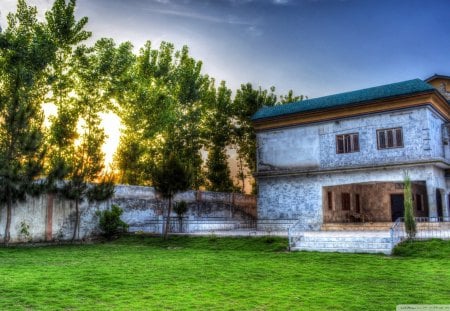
(445, 206)
(432, 204)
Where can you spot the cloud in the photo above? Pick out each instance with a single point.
(199, 16)
(280, 2)
(253, 31)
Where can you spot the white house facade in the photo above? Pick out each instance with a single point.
(343, 158)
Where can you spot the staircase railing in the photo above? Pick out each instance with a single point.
(295, 233)
(426, 228)
(397, 232)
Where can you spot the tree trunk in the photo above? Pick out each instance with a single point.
(169, 210)
(77, 220)
(7, 236)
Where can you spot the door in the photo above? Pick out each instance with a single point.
(397, 207)
(439, 203)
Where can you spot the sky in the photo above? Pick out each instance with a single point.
(314, 47)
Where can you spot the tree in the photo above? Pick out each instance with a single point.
(170, 177)
(218, 128)
(291, 98)
(410, 222)
(246, 102)
(162, 110)
(26, 49)
(66, 33)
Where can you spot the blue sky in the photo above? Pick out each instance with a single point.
(315, 47)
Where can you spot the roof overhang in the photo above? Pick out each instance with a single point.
(426, 98)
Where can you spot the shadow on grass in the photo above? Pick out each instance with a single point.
(259, 244)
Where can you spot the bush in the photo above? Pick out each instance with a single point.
(410, 221)
(180, 208)
(110, 222)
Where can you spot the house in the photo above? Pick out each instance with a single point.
(342, 158)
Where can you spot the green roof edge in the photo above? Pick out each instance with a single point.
(392, 90)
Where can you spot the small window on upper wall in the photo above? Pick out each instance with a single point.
(390, 138)
(347, 143)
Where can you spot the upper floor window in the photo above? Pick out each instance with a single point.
(390, 138)
(347, 143)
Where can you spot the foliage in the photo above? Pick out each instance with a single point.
(26, 50)
(180, 208)
(218, 130)
(25, 230)
(66, 33)
(142, 270)
(101, 191)
(246, 102)
(110, 222)
(170, 177)
(410, 222)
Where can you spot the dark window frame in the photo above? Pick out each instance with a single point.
(349, 143)
(357, 203)
(330, 200)
(390, 138)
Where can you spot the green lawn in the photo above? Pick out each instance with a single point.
(209, 273)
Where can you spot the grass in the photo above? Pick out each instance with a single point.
(210, 273)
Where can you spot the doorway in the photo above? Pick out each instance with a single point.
(439, 203)
(397, 206)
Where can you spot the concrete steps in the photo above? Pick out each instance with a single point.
(348, 242)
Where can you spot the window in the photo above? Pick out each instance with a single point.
(330, 200)
(345, 200)
(357, 204)
(390, 138)
(347, 143)
(418, 200)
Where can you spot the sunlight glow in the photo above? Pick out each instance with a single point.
(110, 122)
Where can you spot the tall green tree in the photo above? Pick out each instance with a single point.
(66, 33)
(170, 177)
(26, 49)
(163, 110)
(218, 129)
(93, 69)
(246, 102)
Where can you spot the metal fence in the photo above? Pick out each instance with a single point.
(426, 228)
(217, 225)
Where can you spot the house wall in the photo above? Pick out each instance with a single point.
(300, 197)
(311, 147)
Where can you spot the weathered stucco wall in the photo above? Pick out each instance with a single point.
(300, 197)
(314, 146)
(52, 218)
(292, 147)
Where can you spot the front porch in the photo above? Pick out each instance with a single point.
(372, 202)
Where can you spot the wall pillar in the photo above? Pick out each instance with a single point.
(49, 224)
(445, 206)
(432, 204)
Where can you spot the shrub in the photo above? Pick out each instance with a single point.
(110, 222)
(410, 222)
(180, 208)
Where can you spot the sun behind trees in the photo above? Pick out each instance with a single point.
(164, 100)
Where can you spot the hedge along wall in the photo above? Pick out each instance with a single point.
(50, 217)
